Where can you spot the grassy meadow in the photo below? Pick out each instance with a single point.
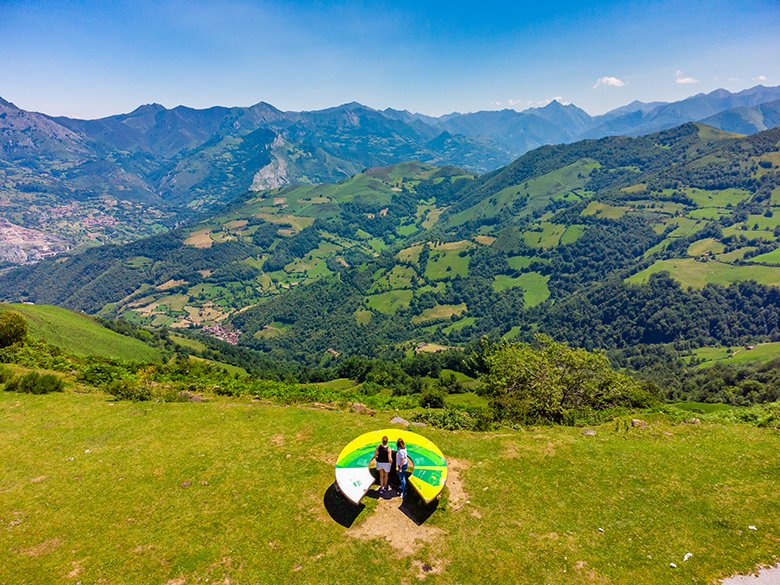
(80, 334)
(234, 491)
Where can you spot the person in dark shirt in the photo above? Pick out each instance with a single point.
(384, 457)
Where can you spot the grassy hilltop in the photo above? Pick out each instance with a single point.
(80, 334)
(240, 492)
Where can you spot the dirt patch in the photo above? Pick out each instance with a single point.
(43, 548)
(278, 440)
(457, 493)
(388, 522)
(176, 581)
(589, 574)
(200, 239)
(76, 570)
(38, 479)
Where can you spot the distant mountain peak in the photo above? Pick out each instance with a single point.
(148, 109)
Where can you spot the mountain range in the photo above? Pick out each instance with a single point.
(69, 183)
(616, 243)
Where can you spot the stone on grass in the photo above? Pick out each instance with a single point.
(362, 409)
(638, 422)
(397, 420)
(589, 433)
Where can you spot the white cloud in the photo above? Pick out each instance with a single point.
(760, 78)
(683, 79)
(608, 81)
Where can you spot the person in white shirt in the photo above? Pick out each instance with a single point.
(402, 463)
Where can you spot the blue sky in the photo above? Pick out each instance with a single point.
(90, 59)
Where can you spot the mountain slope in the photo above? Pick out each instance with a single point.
(88, 182)
(413, 253)
(747, 120)
(80, 335)
(695, 108)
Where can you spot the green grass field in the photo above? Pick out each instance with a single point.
(389, 302)
(188, 343)
(440, 312)
(540, 191)
(604, 210)
(80, 334)
(444, 264)
(94, 491)
(772, 257)
(549, 237)
(762, 352)
(689, 272)
(534, 286)
(717, 198)
(705, 245)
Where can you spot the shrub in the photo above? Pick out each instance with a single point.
(129, 390)
(35, 383)
(6, 374)
(432, 398)
(454, 420)
(13, 328)
(99, 374)
(553, 383)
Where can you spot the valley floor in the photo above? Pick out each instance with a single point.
(233, 491)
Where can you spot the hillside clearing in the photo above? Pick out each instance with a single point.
(129, 493)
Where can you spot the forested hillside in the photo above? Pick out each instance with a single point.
(669, 238)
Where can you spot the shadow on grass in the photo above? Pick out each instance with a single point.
(344, 512)
(340, 508)
(417, 510)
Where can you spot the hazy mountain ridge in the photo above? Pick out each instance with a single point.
(122, 177)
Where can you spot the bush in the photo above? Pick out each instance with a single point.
(432, 398)
(454, 420)
(35, 383)
(99, 374)
(13, 328)
(6, 374)
(129, 390)
(554, 383)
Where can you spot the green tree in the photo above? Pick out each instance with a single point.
(13, 328)
(549, 382)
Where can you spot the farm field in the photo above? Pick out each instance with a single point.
(762, 352)
(127, 493)
(80, 334)
(534, 286)
(691, 273)
(389, 302)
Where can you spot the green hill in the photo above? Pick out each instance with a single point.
(416, 253)
(80, 334)
(95, 491)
